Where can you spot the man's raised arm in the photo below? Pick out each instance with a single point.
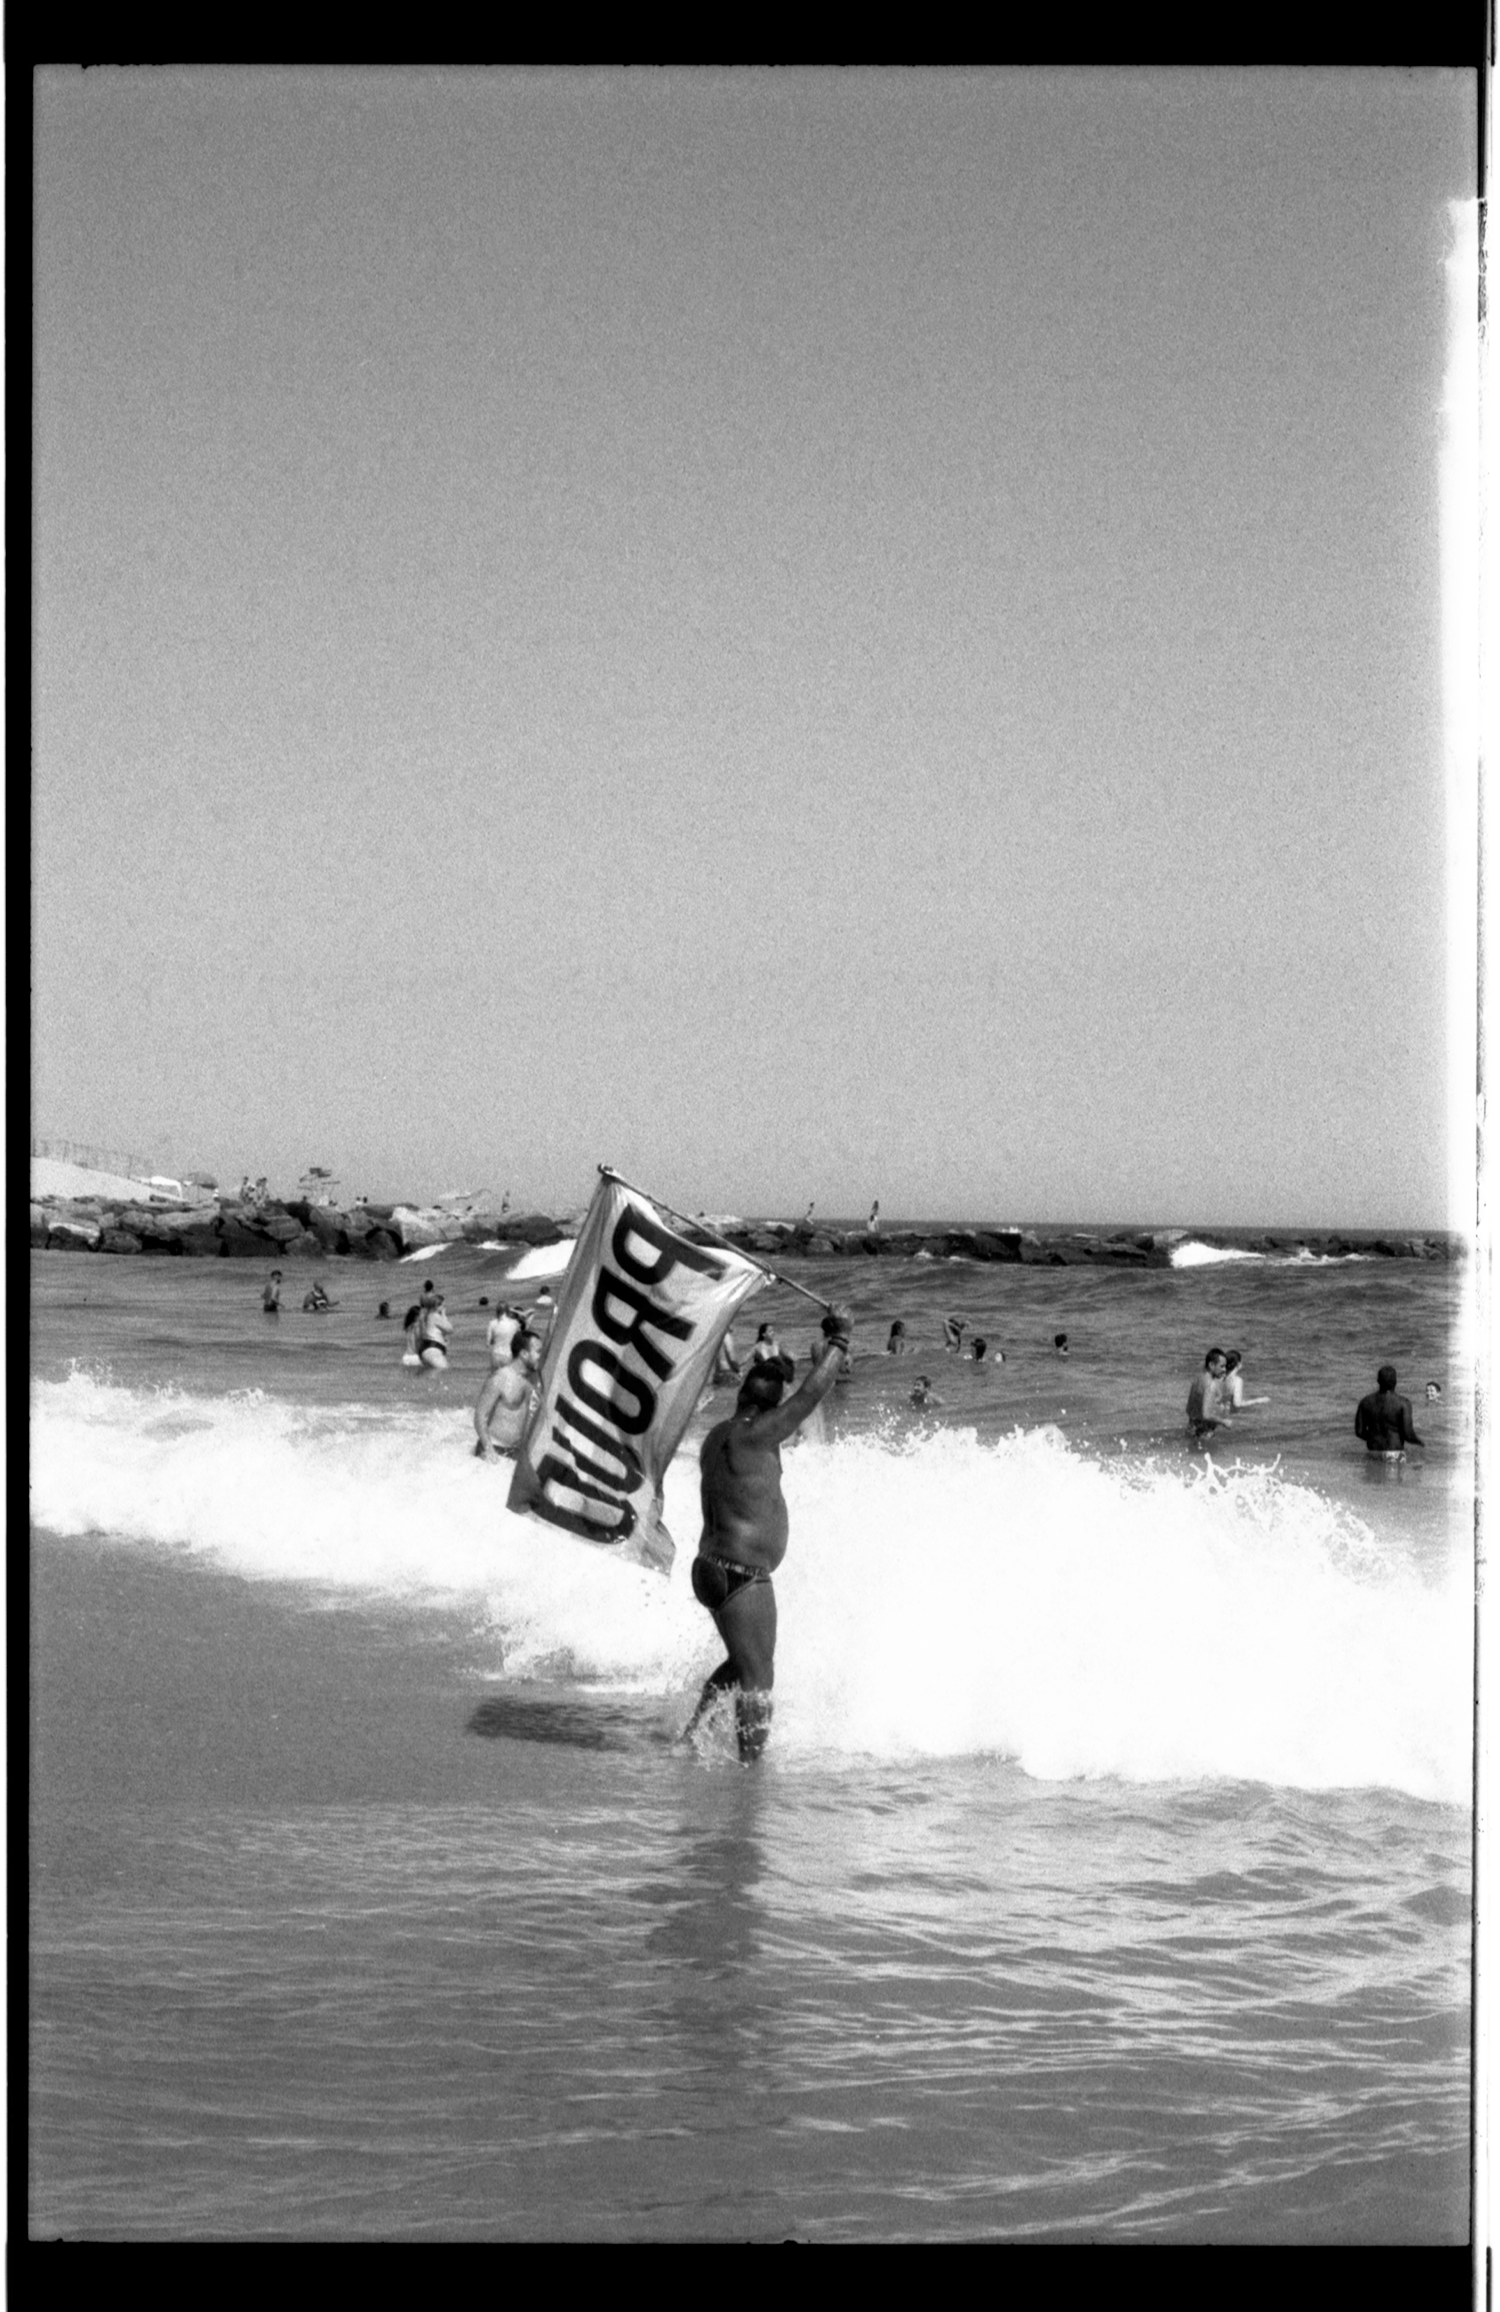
(782, 1420)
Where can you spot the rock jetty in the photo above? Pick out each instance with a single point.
(229, 1228)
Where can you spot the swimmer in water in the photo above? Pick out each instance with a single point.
(726, 1363)
(384, 1309)
(897, 1344)
(766, 1349)
(1204, 1405)
(315, 1300)
(953, 1334)
(923, 1395)
(501, 1334)
(432, 1330)
(978, 1348)
(1383, 1419)
(270, 1299)
(506, 1399)
(745, 1529)
(1433, 1392)
(844, 1372)
(1232, 1388)
(1060, 1343)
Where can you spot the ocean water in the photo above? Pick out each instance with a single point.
(1108, 1876)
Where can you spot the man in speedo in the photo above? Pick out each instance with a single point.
(1383, 1419)
(745, 1530)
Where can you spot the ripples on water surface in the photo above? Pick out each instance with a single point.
(1109, 1879)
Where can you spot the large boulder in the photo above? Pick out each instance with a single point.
(281, 1227)
(73, 1236)
(419, 1226)
(119, 1240)
(304, 1247)
(237, 1242)
(531, 1228)
(200, 1242)
(38, 1224)
(154, 1237)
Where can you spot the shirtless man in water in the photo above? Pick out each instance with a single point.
(1383, 1419)
(745, 1530)
(1205, 1405)
(505, 1399)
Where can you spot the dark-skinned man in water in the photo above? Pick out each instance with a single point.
(745, 1530)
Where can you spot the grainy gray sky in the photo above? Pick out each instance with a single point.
(804, 635)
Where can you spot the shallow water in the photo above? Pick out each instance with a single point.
(1108, 1876)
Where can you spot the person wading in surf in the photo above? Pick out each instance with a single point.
(745, 1531)
(1383, 1419)
(505, 1400)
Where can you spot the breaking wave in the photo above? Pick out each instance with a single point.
(942, 1597)
(1192, 1254)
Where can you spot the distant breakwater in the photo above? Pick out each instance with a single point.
(296, 1230)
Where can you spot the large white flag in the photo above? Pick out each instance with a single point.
(640, 1315)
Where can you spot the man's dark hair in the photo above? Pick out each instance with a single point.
(1386, 1377)
(1208, 1360)
(770, 1374)
(524, 1336)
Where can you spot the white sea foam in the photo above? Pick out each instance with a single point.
(1192, 1254)
(543, 1260)
(945, 1598)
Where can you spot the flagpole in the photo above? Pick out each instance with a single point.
(608, 1172)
